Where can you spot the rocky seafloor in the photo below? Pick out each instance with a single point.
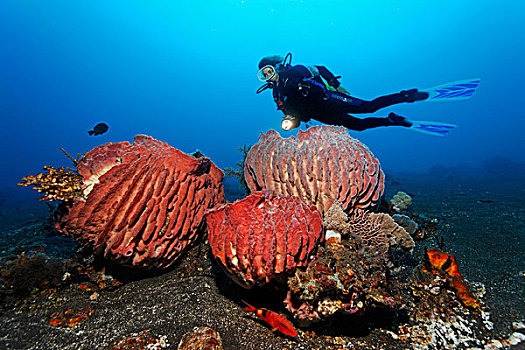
(481, 220)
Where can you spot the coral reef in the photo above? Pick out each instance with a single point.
(399, 237)
(439, 316)
(350, 273)
(263, 235)
(320, 166)
(61, 184)
(407, 223)
(368, 226)
(201, 338)
(400, 202)
(144, 202)
(417, 225)
(345, 277)
(354, 283)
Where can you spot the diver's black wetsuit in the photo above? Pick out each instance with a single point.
(301, 92)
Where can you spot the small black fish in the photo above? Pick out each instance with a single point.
(99, 129)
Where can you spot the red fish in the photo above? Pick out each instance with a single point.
(276, 321)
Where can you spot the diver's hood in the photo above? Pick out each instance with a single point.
(272, 65)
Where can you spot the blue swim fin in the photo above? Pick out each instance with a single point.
(455, 91)
(431, 128)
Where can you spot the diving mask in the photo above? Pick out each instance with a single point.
(290, 122)
(266, 73)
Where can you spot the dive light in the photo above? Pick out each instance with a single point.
(289, 122)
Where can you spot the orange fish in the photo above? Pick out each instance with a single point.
(276, 321)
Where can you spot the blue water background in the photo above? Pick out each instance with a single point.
(184, 72)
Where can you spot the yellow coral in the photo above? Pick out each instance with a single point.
(63, 184)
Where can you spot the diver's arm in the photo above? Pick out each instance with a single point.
(328, 76)
(290, 79)
(331, 79)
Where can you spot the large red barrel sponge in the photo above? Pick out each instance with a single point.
(263, 236)
(143, 203)
(321, 165)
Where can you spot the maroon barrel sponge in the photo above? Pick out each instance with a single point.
(143, 203)
(263, 235)
(321, 165)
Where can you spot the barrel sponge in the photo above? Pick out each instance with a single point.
(263, 236)
(320, 165)
(143, 203)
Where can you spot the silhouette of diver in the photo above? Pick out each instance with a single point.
(313, 92)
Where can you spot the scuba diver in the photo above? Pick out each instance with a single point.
(303, 93)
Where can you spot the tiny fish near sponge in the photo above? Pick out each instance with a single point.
(320, 166)
(263, 235)
(143, 203)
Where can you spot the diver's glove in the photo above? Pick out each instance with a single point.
(342, 90)
(290, 122)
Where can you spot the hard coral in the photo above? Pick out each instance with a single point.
(343, 277)
(263, 235)
(58, 184)
(378, 227)
(438, 317)
(400, 202)
(349, 273)
(407, 223)
(144, 202)
(321, 165)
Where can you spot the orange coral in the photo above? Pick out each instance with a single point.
(447, 263)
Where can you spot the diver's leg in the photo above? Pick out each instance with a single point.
(401, 97)
(360, 124)
(353, 123)
(350, 104)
